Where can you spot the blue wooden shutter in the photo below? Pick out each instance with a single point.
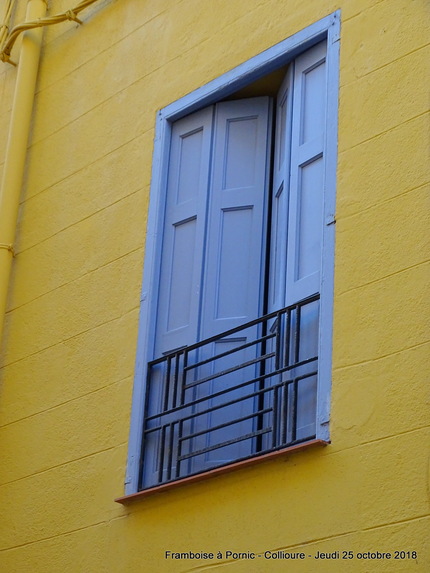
(307, 175)
(233, 283)
(212, 262)
(280, 195)
(305, 223)
(182, 254)
(233, 277)
(184, 232)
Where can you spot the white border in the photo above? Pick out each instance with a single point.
(246, 73)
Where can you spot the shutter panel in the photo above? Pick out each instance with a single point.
(233, 280)
(184, 232)
(280, 196)
(182, 251)
(234, 269)
(276, 280)
(307, 175)
(305, 227)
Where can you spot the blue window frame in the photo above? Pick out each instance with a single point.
(222, 199)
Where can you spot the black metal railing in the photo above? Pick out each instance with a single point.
(243, 393)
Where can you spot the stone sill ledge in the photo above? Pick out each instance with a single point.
(126, 499)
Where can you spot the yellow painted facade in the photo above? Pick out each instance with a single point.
(69, 343)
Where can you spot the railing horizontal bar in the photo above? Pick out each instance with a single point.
(258, 378)
(232, 351)
(211, 409)
(224, 444)
(245, 326)
(230, 370)
(218, 406)
(225, 424)
(254, 455)
(224, 404)
(238, 387)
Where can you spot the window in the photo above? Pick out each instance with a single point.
(236, 342)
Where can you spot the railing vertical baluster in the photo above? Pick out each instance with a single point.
(287, 338)
(275, 429)
(170, 450)
(184, 377)
(258, 441)
(297, 334)
(278, 340)
(145, 416)
(294, 412)
(167, 383)
(161, 449)
(175, 378)
(284, 413)
(179, 447)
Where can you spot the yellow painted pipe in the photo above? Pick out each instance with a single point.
(16, 151)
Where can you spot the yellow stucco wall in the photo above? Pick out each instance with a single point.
(71, 328)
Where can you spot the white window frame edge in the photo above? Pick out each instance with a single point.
(258, 66)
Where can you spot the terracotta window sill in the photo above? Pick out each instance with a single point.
(126, 499)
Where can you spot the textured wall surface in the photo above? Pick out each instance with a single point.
(67, 361)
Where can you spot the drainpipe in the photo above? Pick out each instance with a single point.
(16, 150)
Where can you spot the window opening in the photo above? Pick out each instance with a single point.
(235, 369)
(166, 443)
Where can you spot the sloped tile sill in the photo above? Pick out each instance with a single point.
(126, 499)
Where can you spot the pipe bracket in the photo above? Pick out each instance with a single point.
(70, 15)
(4, 57)
(8, 248)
